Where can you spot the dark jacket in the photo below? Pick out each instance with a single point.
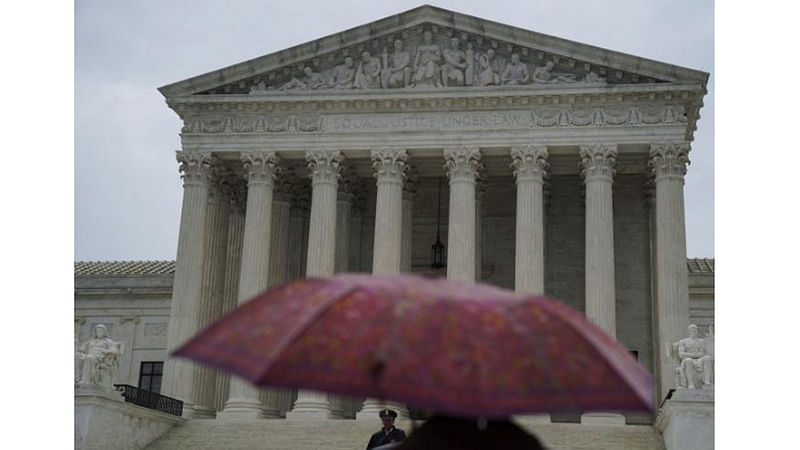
(383, 438)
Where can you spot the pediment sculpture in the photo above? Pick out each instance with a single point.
(694, 359)
(97, 360)
(433, 61)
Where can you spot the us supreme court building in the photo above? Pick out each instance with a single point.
(539, 164)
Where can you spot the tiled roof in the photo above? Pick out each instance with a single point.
(701, 265)
(88, 268)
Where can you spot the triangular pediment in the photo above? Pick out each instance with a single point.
(437, 49)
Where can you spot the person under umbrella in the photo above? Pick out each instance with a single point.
(388, 433)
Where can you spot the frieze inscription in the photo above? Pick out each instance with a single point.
(466, 121)
(544, 117)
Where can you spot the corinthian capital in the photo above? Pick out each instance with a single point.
(462, 163)
(195, 167)
(261, 167)
(389, 164)
(598, 161)
(529, 162)
(284, 185)
(669, 159)
(325, 166)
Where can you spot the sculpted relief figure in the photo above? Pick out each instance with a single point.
(368, 74)
(426, 62)
(397, 68)
(98, 360)
(312, 81)
(455, 62)
(516, 71)
(695, 364)
(344, 75)
(486, 76)
(544, 74)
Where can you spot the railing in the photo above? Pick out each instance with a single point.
(150, 400)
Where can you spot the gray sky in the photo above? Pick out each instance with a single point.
(127, 186)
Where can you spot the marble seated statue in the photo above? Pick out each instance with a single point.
(694, 360)
(98, 360)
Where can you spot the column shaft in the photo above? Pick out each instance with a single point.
(177, 381)
(261, 168)
(598, 171)
(529, 164)
(462, 165)
(324, 168)
(668, 164)
(204, 387)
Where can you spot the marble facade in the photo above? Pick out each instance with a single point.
(562, 168)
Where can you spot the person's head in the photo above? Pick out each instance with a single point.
(490, 53)
(100, 331)
(427, 37)
(454, 42)
(307, 70)
(693, 330)
(348, 61)
(366, 56)
(549, 65)
(514, 58)
(387, 417)
(398, 45)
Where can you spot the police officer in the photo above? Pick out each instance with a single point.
(388, 433)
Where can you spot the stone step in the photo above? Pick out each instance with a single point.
(280, 434)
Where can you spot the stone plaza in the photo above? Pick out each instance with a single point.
(541, 165)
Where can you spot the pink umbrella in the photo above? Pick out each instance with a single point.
(454, 347)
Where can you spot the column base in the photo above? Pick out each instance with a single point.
(374, 406)
(201, 412)
(687, 420)
(242, 408)
(311, 405)
(602, 418)
(533, 418)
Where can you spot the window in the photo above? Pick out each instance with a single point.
(150, 376)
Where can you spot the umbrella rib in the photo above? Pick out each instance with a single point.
(295, 333)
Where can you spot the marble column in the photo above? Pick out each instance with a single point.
(204, 387)
(529, 164)
(276, 400)
(597, 162)
(233, 262)
(409, 194)
(187, 282)
(389, 166)
(462, 165)
(261, 169)
(668, 163)
(324, 167)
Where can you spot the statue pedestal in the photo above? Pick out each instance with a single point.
(686, 421)
(104, 420)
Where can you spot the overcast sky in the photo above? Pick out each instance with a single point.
(127, 186)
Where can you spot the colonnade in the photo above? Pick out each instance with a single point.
(258, 245)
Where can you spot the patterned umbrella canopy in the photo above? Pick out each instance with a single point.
(455, 347)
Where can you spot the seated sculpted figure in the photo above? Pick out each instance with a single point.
(98, 359)
(426, 62)
(344, 75)
(396, 73)
(368, 74)
(695, 369)
(455, 62)
(516, 71)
